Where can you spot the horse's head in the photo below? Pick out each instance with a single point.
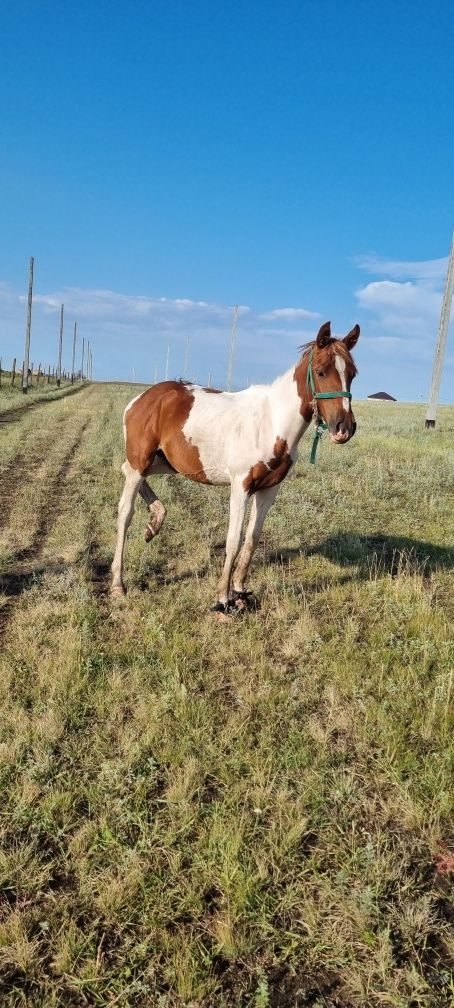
(330, 371)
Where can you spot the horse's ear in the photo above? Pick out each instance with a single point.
(352, 337)
(324, 335)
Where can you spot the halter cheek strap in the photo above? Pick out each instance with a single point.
(321, 425)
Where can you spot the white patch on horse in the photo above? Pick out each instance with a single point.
(340, 368)
(235, 430)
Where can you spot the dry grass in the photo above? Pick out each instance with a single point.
(255, 815)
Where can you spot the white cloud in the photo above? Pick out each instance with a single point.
(404, 314)
(290, 314)
(408, 307)
(432, 271)
(128, 330)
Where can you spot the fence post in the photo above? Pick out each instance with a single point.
(13, 372)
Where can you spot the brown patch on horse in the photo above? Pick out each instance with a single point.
(155, 422)
(263, 475)
(217, 391)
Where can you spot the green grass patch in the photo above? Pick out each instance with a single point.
(250, 815)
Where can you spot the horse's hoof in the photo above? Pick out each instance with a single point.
(223, 617)
(157, 515)
(118, 592)
(222, 612)
(243, 601)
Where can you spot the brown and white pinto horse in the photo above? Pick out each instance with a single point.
(247, 439)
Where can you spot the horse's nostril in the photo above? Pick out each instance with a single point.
(339, 429)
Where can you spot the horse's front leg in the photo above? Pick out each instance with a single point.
(261, 503)
(238, 501)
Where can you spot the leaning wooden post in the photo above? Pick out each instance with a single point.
(28, 326)
(60, 346)
(82, 360)
(441, 342)
(0, 372)
(13, 372)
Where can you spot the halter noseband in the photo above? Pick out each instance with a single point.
(321, 425)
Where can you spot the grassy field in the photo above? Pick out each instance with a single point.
(200, 815)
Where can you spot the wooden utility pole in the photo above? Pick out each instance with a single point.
(441, 342)
(186, 358)
(60, 346)
(74, 353)
(82, 360)
(88, 360)
(28, 326)
(232, 348)
(167, 362)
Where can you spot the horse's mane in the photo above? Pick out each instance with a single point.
(338, 346)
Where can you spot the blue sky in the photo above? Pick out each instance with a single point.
(163, 161)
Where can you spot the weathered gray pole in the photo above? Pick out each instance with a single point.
(60, 346)
(28, 326)
(167, 362)
(74, 353)
(88, 360)
(186, 358)
(82, 360)
(232, 348)
(441, 342)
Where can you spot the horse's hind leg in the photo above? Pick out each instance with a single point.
(133, 481)
(156, 509)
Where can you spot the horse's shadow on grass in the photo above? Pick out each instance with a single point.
(371, 556)
(374, 554)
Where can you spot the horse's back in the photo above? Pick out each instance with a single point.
(157, 419)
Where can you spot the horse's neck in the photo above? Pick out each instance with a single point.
(290, 403)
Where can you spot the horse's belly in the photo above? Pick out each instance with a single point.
(216, 475)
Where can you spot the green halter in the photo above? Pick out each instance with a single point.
(321, 425)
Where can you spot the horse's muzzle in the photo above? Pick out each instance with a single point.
(343, 430)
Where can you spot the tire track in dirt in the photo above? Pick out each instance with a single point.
(16, 412)
(27, 459)
(25, 560)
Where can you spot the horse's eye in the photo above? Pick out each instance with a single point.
(321, 374)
